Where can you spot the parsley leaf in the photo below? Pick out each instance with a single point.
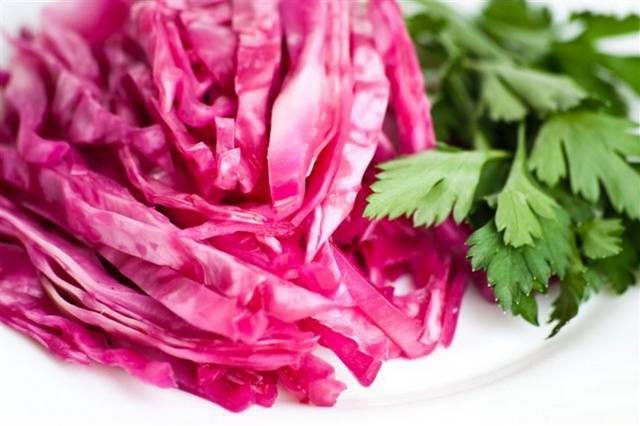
(620, 270)
(461, 32)
(597, 26)
(526, 307)
(579, 209)
(542, 91)
(516, 271)
(626, 68)
(500, 103)
(507, 269)
(580, 61)
(573, 290)
(521, 204)
(429, 186)
(525, 31)
(595, 145)
(580, 282)
(518, 14)
(601, 237)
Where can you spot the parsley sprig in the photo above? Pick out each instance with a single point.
(541, 157)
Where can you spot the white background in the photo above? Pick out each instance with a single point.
(499, 371)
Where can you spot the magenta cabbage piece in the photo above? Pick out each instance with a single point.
(181, 193)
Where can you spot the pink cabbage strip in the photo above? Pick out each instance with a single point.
(297, 110)
(24, 306)
(410, 106)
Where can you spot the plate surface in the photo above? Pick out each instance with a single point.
(499, 370)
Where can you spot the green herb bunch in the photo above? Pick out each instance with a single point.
(541, 158)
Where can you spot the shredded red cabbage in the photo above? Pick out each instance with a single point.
(181, 193)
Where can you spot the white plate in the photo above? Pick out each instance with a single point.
(499, 370)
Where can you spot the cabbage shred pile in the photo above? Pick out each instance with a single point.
(182, 185)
